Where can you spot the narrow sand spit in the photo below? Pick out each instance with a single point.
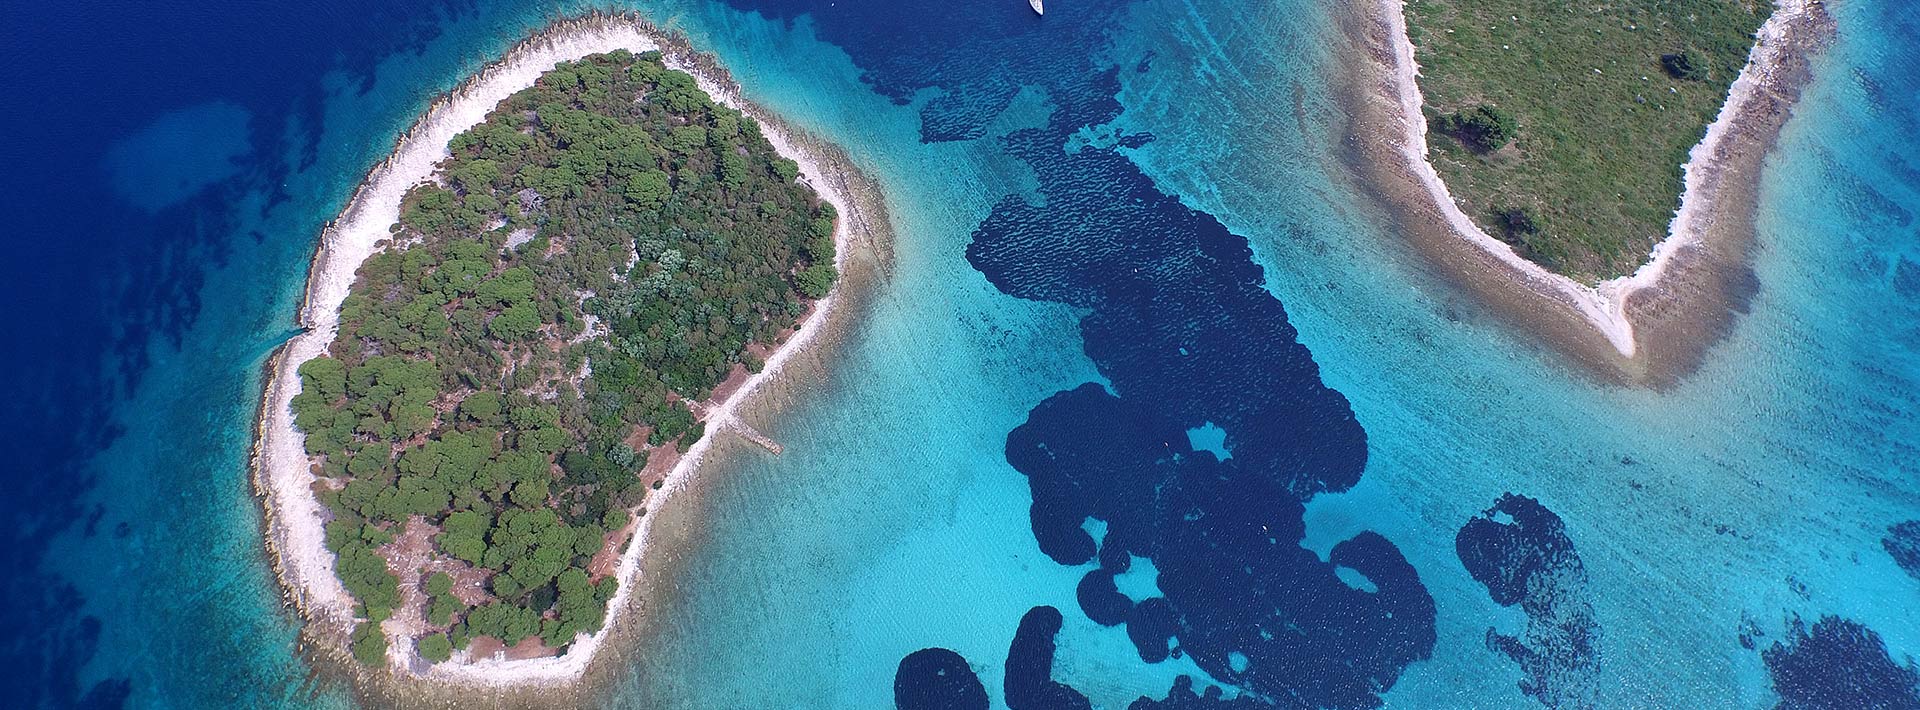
(1774, 68)
(296, 519)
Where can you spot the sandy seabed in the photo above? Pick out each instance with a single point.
(295, 517)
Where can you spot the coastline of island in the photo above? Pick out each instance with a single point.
(1652, 325)
(295, 518)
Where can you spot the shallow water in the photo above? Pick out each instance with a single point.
(180, 202)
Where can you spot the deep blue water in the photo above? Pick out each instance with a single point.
(152, 158)
(1149, 404)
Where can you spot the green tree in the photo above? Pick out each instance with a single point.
(482, 407)
(649, 189)
(410, 420)
(441, 608)
(476, 176)
(435, 647)
(515, 323)
(325, 377)
(463, 535)
(439, 584)
(533, 463)
(369, 645)
(815, 281)
(512, 286)
(786, 170)
(428, 209)
(820, 248)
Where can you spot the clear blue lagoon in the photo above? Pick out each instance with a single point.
(1131, 279)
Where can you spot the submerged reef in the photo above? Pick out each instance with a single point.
(1029, 683)
(937, 679)
(1238, 593)
(1179, 324)
(1903, 543)
(1839, 664)
(1177, 321)
(1520, 550)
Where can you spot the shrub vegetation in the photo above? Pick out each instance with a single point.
(1485, 128)
(1687, 64)
(509, 395)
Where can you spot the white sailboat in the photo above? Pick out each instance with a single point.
(1038, 9)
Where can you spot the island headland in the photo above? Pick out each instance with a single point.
(1650, 326)
(356, 433)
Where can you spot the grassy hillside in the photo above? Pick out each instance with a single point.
(1603, 101)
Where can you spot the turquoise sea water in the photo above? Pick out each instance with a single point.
(1759, 490)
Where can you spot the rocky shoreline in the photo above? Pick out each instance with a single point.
(295, 519)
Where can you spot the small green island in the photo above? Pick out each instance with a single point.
(525, 359)
(1561, 128)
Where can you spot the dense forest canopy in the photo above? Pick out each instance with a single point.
(598, 253)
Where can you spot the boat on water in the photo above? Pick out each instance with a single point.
(1038, 9)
